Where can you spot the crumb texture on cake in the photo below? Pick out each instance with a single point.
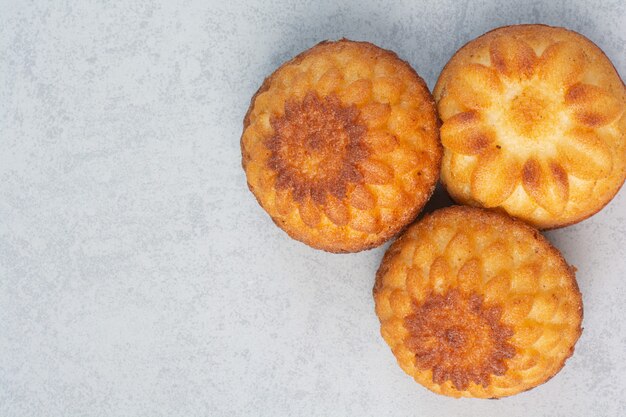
(340, 146)
(533, 122)
(459, 338)
(476, 304)
(316, 149)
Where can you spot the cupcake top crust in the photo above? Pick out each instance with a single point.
(474, 303)
(533, 122)
(340, 146)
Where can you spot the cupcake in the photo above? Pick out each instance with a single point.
(474, 303)
(340, 146)
(533, 123)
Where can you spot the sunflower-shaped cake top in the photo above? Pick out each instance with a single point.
(447, 332)
(340, 145)
(533, 122)
(476, 304)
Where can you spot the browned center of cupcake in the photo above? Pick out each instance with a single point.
(531, 112)
(316, 146)
(459, 338)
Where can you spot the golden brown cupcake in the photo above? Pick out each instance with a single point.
(533, 122)
(474, 303)
(340, 146)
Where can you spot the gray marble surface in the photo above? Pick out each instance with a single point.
(138, 275)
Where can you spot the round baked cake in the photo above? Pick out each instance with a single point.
(341, 146)
(474, 303)
(534, 123)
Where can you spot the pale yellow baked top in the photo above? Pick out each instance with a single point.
(533, 122)
(340, 146)
(476, 304)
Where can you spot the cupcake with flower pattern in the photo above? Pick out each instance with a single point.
(533, 123)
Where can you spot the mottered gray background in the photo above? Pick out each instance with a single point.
(138, 275)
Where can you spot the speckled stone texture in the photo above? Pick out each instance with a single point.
(138, 275)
